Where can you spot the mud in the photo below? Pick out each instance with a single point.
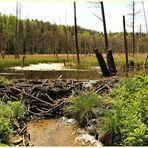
(57, 133)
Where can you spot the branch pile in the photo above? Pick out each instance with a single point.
(46, 98)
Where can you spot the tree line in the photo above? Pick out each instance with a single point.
(34, 36)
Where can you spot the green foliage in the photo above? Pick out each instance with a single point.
(3, 145)
(3, 80)
(18, 109)
(129, 114)
(8, 112)
(84, 106)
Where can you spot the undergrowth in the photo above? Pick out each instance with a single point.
(9, 112)
(3, 80)
(127, 120)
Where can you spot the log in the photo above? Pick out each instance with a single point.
(111, 63)
(101, 61)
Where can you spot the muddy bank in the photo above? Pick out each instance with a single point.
(59, 132)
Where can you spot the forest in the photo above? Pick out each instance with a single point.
(34, 36)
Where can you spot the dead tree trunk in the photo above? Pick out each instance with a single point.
(111, 63)
(102, 63)
(104, 26)
(66, 37)
(1, 35)
(16, 34)
(66, 41)
(144, 13)
(145, 64)
(125, 42)
(24, 53)
(133, 27)
(110, 59)
(76, 34)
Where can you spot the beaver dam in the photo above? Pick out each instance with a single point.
(45, 123)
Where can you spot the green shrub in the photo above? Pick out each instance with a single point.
(84, 106)
(3, 145)
(3, 80)
(129, 114)
(8, 112)
(18, 109)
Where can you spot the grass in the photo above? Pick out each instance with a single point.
(10, 61)
(3, 145)
(86, 60)
(84, 106)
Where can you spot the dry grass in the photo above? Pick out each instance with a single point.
(87, 59)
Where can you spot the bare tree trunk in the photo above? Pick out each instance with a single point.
(1, 35)
(65, 30)
(133, 27)
(24, 53)
(66, 46)
(104, 26)
(145, 17)
(102, 63)
(76, 34)
(145, 64)
(110, 59)
(16, 34)
(125, 42)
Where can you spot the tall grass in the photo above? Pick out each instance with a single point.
(84, 106)
(86, 60)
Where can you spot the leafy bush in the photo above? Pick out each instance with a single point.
(128, 117)
(18, 108)
(84, 106)
(8, 112)
(3, 80)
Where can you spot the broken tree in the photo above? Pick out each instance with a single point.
(76, 33)
(102, 63)
(110, 59)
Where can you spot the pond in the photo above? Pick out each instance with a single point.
(48, 71)
(59, 71)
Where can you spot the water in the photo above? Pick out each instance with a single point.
(41, 67)
(57, 70)
(57, 133)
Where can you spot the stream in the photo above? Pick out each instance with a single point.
(58, 132)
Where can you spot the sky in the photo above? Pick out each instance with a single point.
(61, 12)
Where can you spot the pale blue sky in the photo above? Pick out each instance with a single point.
(55, 12)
